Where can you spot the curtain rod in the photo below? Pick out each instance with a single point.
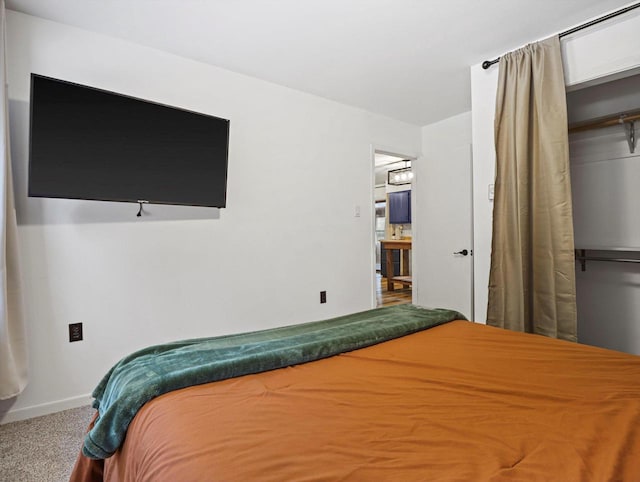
(488, 63)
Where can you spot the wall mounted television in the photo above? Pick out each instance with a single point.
(87, 143)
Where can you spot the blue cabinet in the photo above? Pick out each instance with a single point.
(400, 207)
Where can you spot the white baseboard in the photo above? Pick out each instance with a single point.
(45, 409)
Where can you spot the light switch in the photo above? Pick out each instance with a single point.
(491, 186)
(356, 211)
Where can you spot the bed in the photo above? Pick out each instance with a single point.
(455, 401)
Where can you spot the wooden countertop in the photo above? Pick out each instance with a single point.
(395, 243)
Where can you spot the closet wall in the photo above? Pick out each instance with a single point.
(605, 178)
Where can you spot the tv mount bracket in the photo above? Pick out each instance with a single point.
(140, 203)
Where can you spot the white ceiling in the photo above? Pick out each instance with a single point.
(406, 59)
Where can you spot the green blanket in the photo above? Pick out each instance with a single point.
(156, 370)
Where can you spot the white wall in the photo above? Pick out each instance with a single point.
(604, 99)
(604, 172)
(298, 166)
(604, 177)
(616, 53)
(608, 302)
(602, 52)
(483, 106)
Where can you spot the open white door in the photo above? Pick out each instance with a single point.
(444, 230)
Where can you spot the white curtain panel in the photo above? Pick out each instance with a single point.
(13, 342)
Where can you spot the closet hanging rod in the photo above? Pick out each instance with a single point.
(606, 122)
(617, 260)
(582, 258)
(488, 63)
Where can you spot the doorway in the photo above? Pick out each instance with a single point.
(393, 179)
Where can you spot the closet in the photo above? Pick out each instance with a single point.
(604, 122)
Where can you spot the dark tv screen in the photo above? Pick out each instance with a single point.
(87, 143)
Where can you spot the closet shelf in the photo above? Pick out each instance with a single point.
(582, 257)
(626, 119)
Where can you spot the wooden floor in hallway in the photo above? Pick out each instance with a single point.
(384, 297)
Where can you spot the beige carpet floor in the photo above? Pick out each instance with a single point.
(42, 449)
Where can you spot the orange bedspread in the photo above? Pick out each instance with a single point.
(459, 402)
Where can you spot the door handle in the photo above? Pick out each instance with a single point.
(464, 252)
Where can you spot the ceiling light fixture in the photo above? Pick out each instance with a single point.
(397, 177)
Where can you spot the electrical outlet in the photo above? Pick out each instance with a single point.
(75, 332)
(323, 297)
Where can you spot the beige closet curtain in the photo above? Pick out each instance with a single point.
(532, 277)
(13, 344)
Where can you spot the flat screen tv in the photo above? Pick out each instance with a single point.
(87, 143)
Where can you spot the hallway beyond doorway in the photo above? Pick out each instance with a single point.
(384, 297)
